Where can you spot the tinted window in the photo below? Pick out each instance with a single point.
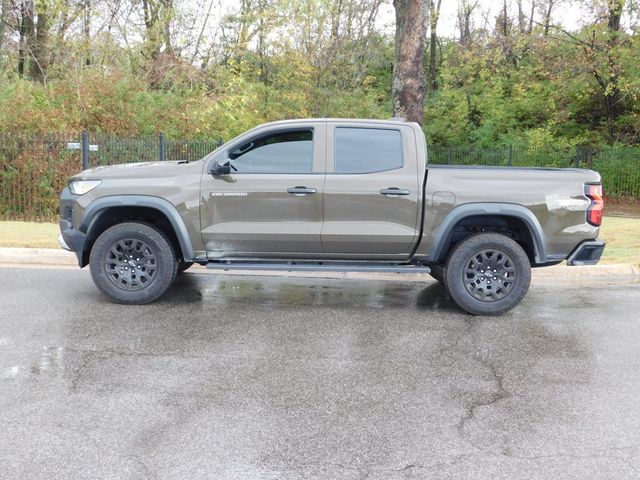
(282, 152)
(361, 150)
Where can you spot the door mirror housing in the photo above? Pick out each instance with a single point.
(218, 169)
(242, 149)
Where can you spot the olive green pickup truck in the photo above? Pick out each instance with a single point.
(331, 195)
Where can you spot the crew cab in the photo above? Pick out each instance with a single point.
(331, 194)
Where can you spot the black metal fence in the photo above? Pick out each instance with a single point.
(619, 166)
(35, 168)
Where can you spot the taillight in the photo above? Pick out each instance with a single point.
(595, 195)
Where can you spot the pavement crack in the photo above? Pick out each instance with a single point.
(499, 394)
(147, 471)
(408, 467)
(87, 355)
(77, 374)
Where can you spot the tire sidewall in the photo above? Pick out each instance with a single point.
(166, 262)
(457, 263)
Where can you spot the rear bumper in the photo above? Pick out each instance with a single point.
(587, 253)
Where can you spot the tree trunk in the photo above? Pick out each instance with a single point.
(432, 74)
(408, 89)
(612, 95)
(86, 27)
(533, 10)
(150, 10)
(547, 17)
(167, 17)
(521, 23)
(4, 15)
(38, 43)
(465, 10)
(196, 50)
(26, 34)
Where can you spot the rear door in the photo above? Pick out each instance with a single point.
(371, 193)
(271, 204)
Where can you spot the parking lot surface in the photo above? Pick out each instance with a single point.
(237, 377)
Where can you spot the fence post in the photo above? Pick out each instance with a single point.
(163, 147)
(577, 156)
(510, 154)
(85, 149)
(449, 154)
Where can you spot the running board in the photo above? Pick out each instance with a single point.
(319, 267)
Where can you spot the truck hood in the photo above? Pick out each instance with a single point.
(133, 170)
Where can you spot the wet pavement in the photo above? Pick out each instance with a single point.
(290, 378)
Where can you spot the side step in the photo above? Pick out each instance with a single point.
(320, 267)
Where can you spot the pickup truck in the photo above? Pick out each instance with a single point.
(331, 195)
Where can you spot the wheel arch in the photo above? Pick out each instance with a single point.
(108, 211)
(512, 214)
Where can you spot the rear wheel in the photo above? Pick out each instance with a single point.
(488, 274)
(133, 263)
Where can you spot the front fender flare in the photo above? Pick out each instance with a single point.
(98, 206)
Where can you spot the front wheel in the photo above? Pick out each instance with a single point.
(488, 274)
(133, 263)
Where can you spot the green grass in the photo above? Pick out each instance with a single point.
(623, 240)
(29, 234)
(622, 236)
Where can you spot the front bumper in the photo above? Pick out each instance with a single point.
(587, 253)
(62, 243)
(70, 237)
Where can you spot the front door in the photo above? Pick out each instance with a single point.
(270, 205)
(371, 194)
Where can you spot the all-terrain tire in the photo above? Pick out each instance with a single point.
(488, 274)
(133, 263)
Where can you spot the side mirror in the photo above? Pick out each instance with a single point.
(218, 170)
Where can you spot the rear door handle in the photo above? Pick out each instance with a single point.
(395, 191)
(301, 190)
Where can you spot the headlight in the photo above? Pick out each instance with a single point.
(80, 187)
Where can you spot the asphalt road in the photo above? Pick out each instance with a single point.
(276, 378)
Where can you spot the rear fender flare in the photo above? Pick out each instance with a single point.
(478, 209)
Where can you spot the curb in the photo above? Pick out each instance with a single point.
(37, 256)
(53, 257)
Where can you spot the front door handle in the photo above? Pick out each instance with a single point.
(301, 191)
(395, 191)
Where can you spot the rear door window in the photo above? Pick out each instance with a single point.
(367, 150)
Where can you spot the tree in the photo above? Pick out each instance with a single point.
(465, 11)
(4, 15)
(39, 42)
(408, 87)
(432, 73)
(158, 15)
(547, 16)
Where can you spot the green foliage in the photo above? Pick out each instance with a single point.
(282, 59)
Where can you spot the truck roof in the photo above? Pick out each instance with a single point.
(394, 121)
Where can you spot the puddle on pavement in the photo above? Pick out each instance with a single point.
(49, 363)
(287, 293)
(299, 291)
